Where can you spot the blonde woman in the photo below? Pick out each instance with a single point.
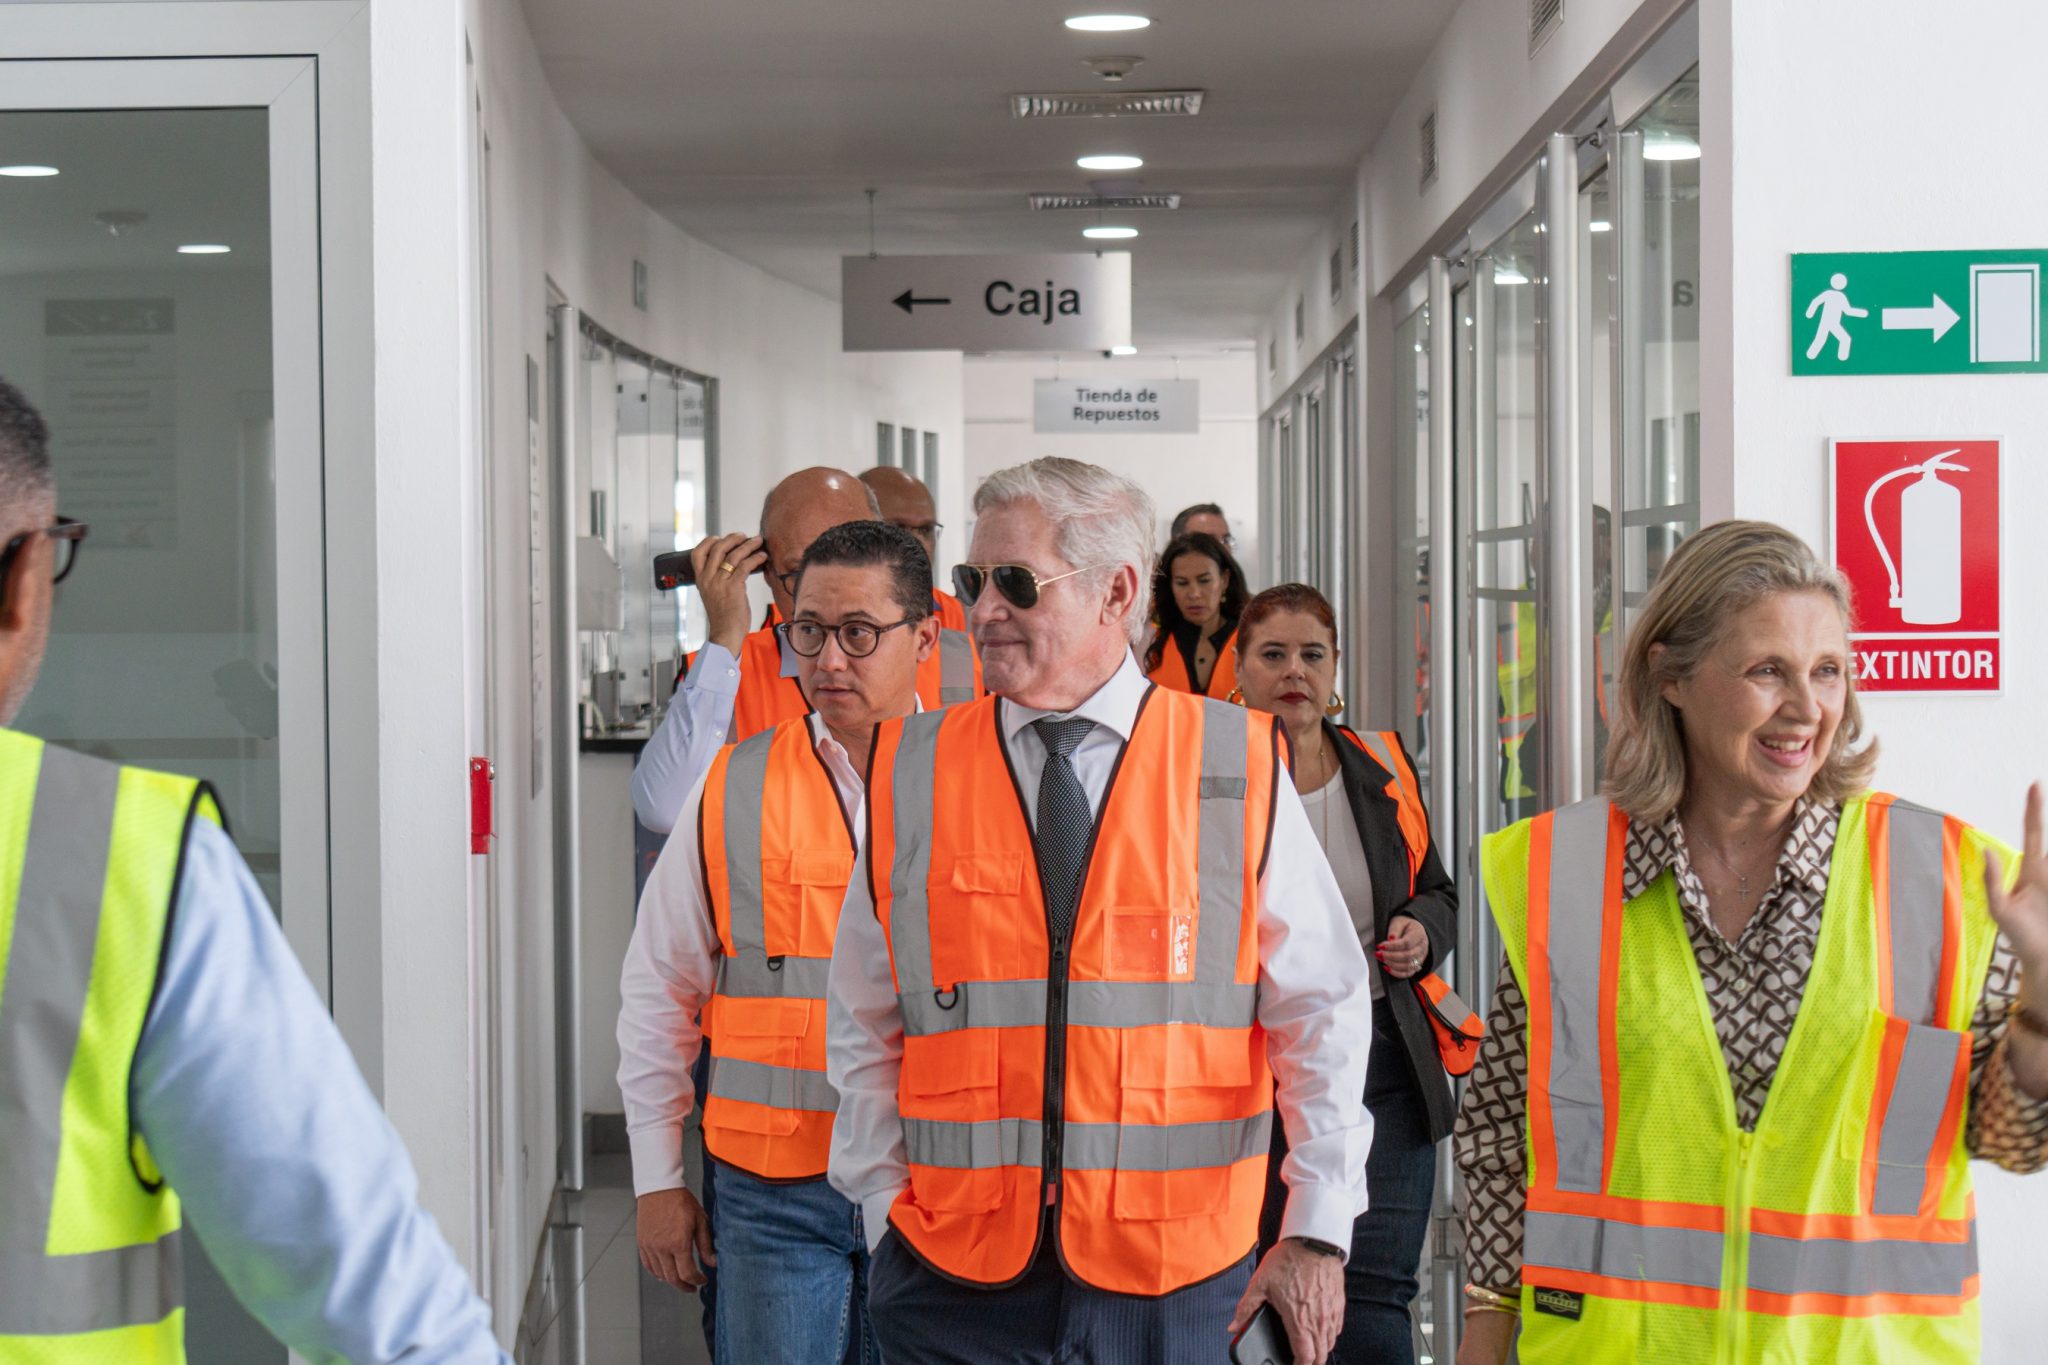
(1756, 1019)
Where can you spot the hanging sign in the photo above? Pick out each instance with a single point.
(1918, 312)
(1121, 407)
(1915, 528)
(1075, 301)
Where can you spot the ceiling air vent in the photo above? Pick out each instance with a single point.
(1108, 104)
(1105, 201)
(1425, 155)
(1544, 18)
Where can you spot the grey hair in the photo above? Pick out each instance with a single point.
(1099, 518)
(1716, 575)
(25, 478)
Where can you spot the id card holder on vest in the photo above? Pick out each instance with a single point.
(1151, 945)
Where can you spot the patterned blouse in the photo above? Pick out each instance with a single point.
(1753, 986)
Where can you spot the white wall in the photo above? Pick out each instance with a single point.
(1219, 463)
(1814, 143)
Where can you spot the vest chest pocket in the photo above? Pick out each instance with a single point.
(1182, 1100)
(1923, 1076)
(978, 918)
(820, 877)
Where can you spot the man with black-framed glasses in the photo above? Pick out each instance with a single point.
(737, 922)
(163, 1056)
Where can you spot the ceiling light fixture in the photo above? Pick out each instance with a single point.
(1108, 23)
(1123, 350)
(1114, 234)
(204, 249)
(1670, 146)
(1507, 274)
(1599, 225)
(1112, 161)
(28, 172)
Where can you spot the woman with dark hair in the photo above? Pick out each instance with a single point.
(1365, 806)
(1199, 594)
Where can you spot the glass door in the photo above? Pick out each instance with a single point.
(159, 302)
(1412, 396)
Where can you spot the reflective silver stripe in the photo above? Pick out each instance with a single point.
(755, 977)
(1221, 839)
(57, 1296)
(973, 1146)
(746, 786)
(1622, 1251)
(1090, 1004)
(1912, 1119)
(49, 972)
(1381, 755)
(1165, 1147)
(1578, 888)
(956, 667)
(1823, 1265)
(779, 1087)
(1914, 853)
(911, 783)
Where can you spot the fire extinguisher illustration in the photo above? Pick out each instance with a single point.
(1927, 577)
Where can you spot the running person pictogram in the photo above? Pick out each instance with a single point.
(1833, 305)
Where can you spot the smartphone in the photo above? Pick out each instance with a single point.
(1263, 1341)
(672, 570)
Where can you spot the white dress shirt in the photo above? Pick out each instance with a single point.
(670, 969)
(1314, 1000)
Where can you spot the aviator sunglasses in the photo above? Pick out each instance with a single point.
(1018, 583)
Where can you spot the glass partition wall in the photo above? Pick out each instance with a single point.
(644, 468)
(1545, 463)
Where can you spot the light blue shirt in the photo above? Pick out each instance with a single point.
(289, 1171)
(698, 722)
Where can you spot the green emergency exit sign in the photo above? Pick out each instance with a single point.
(1918, 312)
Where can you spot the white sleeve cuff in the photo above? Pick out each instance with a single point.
(657, 1159)
(874, 1216)
(715, 670)
(1323, 1213)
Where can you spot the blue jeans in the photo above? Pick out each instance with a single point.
(1386, 1241)
(792, 1273)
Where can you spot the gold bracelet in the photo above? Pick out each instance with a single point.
(2026, 1019)
(1478, 1298)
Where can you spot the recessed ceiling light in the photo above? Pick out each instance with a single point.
(1507, 274)
(1109, 233)
(1123, 350)
(1110, 162)
(1108, 23)
(1669, 146)
(28, 172)
(1599, 225)
(204, 249)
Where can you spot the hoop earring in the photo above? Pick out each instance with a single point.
(1236, 697)
(1336, 706)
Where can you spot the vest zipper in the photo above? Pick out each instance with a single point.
(1054, 1105)
(1734, 1329)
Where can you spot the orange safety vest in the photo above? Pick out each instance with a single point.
(777, 850)
(1173, 669)
(952, 616)
(1384, 748)
(1842, 1227)
(1123, 1079)
(766, 699)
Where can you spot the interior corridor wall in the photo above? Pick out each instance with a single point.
(1816, 141)
(1218, 463)
(788, 398)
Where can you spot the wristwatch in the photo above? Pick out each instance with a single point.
(1319, 1248)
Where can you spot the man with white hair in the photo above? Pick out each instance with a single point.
(1090, 933)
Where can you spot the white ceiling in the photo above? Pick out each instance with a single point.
(756, 125)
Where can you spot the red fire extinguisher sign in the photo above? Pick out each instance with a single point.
(1915, 529)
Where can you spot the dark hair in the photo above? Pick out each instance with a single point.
(24, 451)
(1235, 594)
(1287, 597)
(1200, 509)
(862, 544)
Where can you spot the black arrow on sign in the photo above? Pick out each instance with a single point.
(907, 300)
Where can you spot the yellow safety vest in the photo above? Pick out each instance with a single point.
(89, 856)
(1517, 681)
(1842, 1227)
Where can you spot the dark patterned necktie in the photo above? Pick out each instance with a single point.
(1064, 821)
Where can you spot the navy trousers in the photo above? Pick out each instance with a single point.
(922, 1318)
(1386, 1241)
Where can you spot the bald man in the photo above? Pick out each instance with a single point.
(907, 503)
(740, 684)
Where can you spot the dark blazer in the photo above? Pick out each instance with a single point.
(1435, 904)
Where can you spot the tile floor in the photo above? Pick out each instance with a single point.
(590, 1302)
